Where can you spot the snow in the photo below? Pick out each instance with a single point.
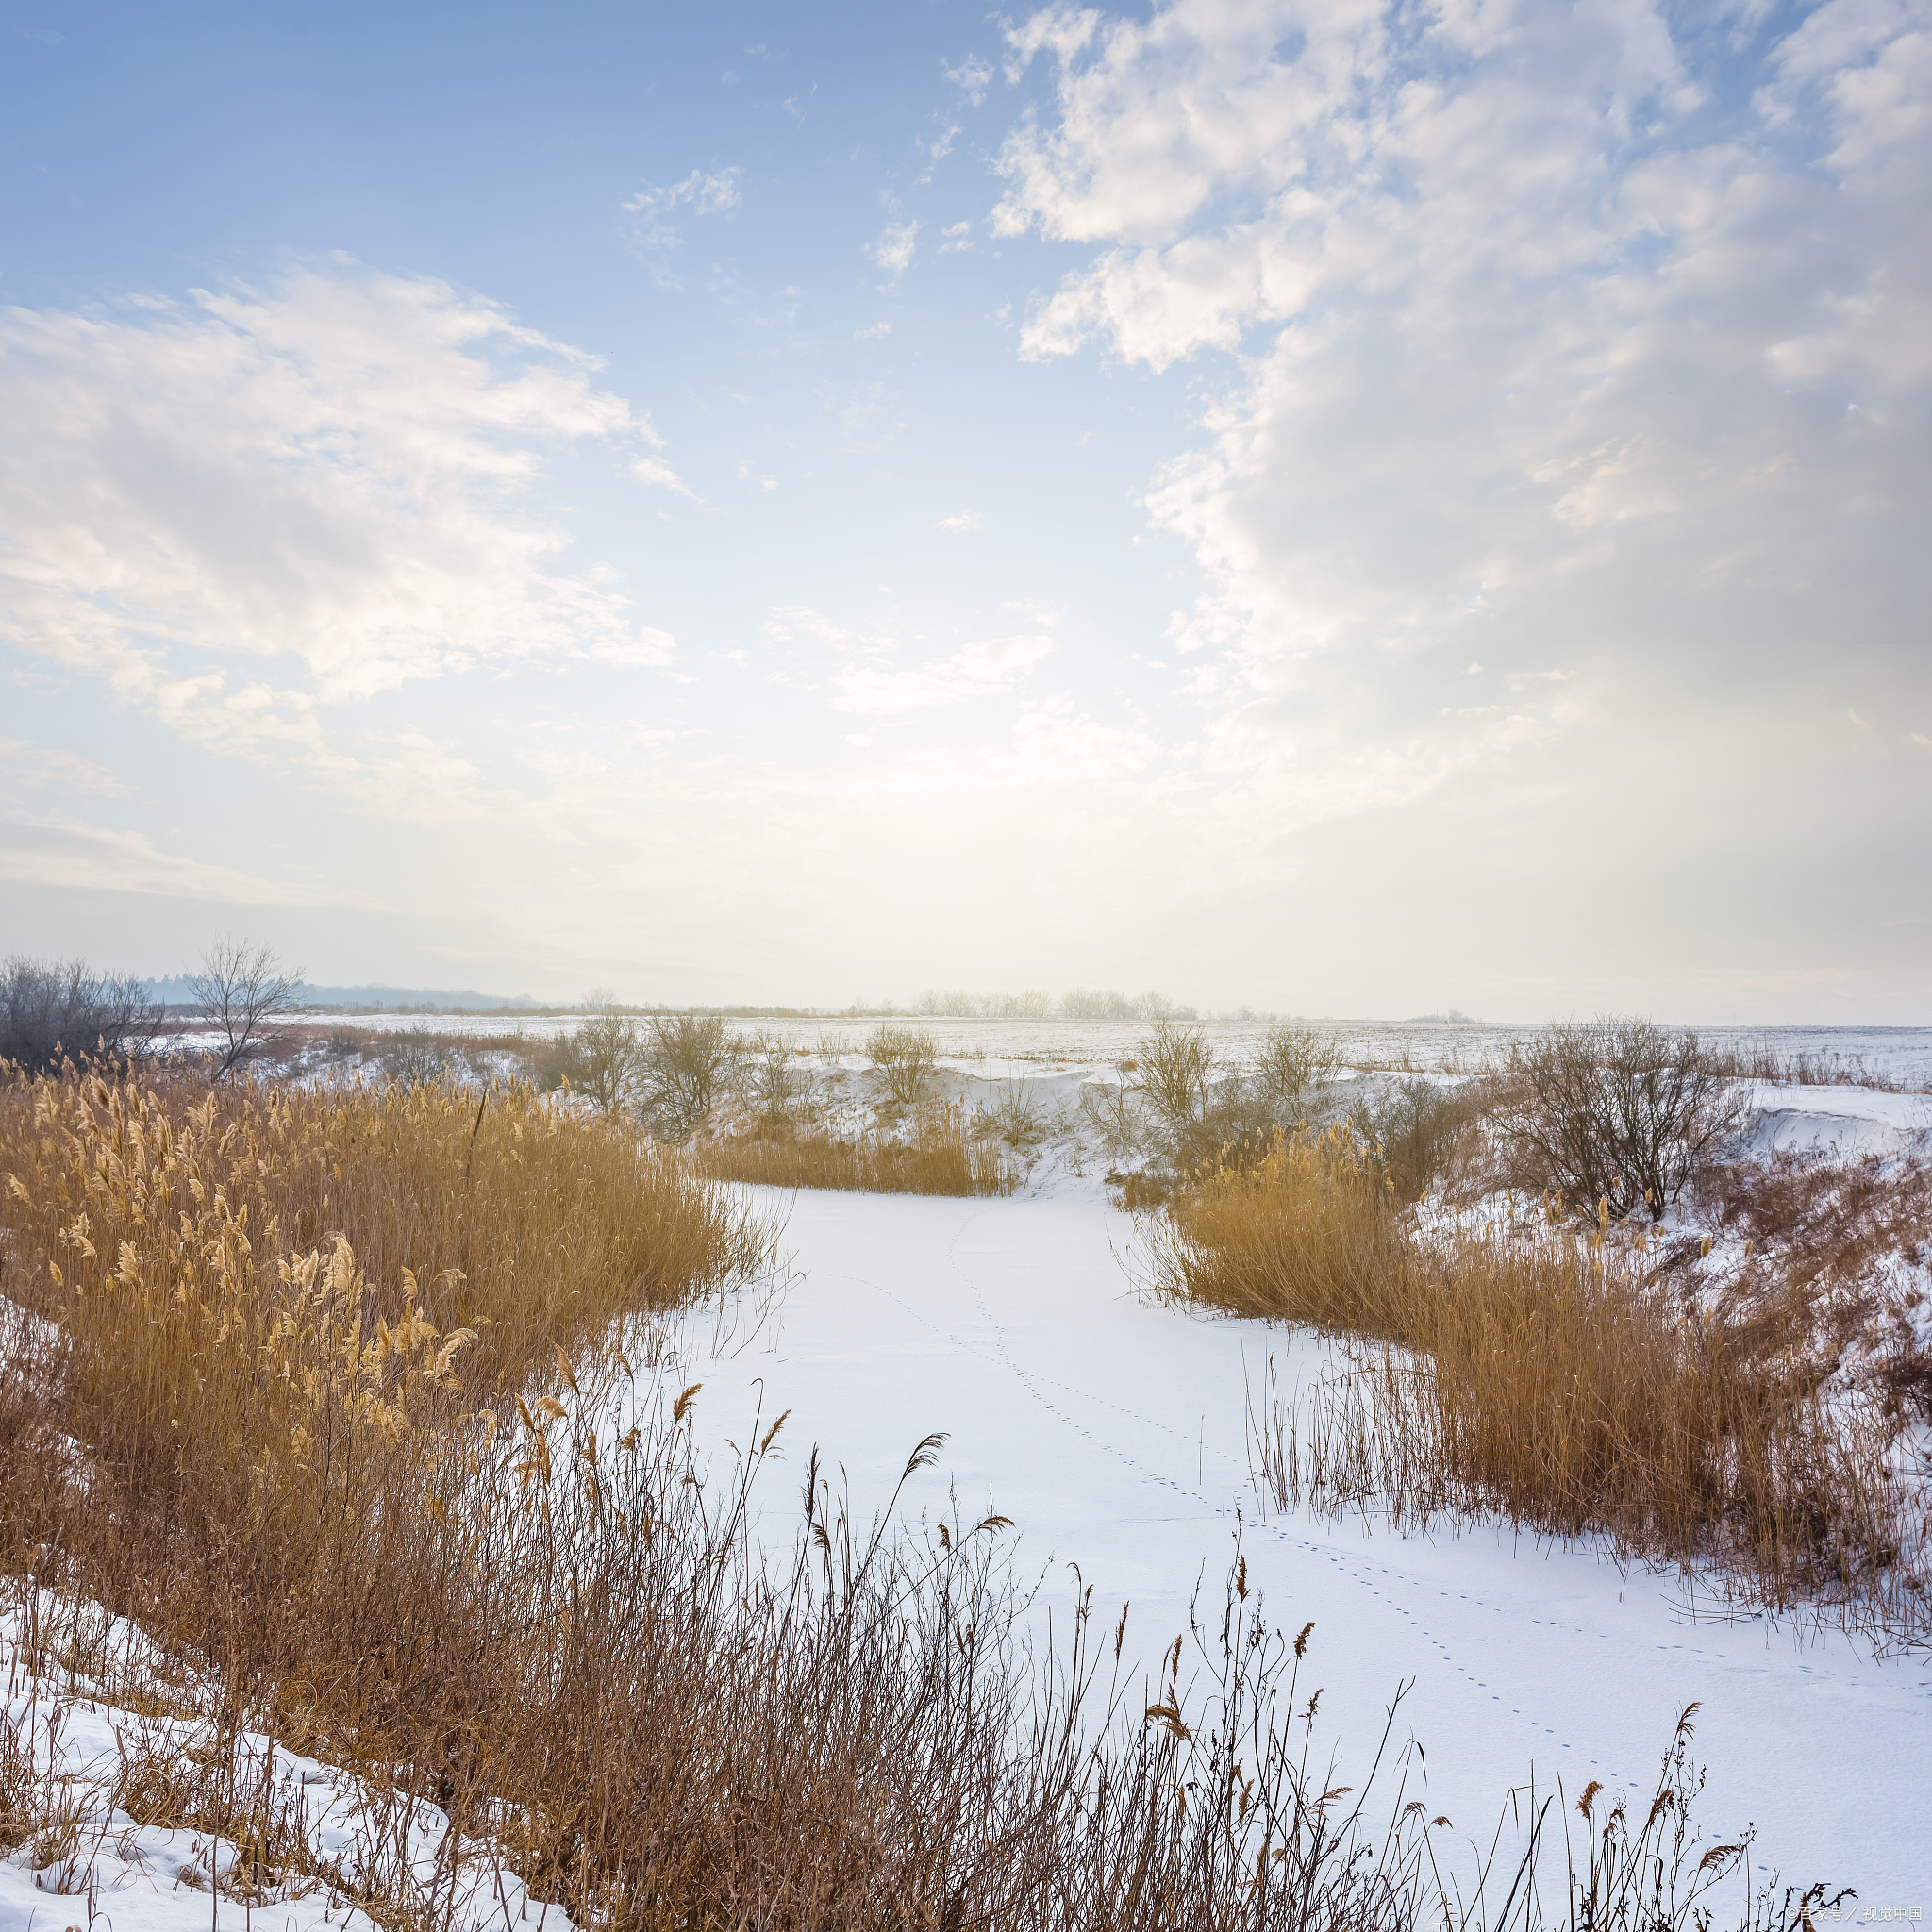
(1845, 1122)
(1112, 1428)
(114, 1871)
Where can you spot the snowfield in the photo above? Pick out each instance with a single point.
(1112, 1429)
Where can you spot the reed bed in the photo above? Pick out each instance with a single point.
(326, 1394)
(1549, 1378)
(934, 1152)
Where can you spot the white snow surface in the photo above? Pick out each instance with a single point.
(115, 1875)
(1845, 1122)
(1112, 1428)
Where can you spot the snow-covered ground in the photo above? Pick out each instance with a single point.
(1112, 1429)
(106, 1723)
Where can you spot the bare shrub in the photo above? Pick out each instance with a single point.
(1176, 1065)
(414, 1056)
(763, 1077)
(602, 1058)
(1292, 1070)
(908, 1057)
(242, 990)
(684, 1069)
(1111, 1108)
(51, 1008)
(1017, 1117)
(1417, 1130)
(1617, 1111)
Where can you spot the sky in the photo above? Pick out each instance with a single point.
(1338, 507)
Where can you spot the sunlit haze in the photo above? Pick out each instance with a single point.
(1343, 507)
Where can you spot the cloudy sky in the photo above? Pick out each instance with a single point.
(1342, 506)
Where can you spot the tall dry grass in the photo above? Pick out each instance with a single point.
(493, 1212)
(934, 1152)
(1552, 1381)
(423, 1532)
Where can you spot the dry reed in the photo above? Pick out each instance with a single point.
(536, 1611)
(935, 1152)
(1548, 1379)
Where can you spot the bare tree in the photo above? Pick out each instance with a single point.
(684, 1066)
(603, 1059)
(52, 1008)
(1618, 1112)
(243, 989)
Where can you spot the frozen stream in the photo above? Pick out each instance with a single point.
(1112, 1430)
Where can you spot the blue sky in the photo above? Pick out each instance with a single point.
(1340, 508)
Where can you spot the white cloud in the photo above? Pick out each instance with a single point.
(984, 669)
(106, 859)
(892, 251)
(963, 520)
(655, 232)
(972, 77)
(876, 331)
(238, 509)
(656, 471)
(26, 767)
(1537, 345)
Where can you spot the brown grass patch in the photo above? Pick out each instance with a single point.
(935, 1152)
(1550, 1380)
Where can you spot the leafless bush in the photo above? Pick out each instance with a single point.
(602, 1058)
(1294, 1065)
(54, 1008)
(1617, 1111)
(414, 1056)
(1178, 1075)
(1017, 1117)
(684, 1068)
(908, 1057)
(763, 1077)
(1111, 1107)
(242, 990)
(1416, 1130)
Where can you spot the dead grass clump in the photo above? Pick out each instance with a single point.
(933, 1152)
(1553, 1381)
(155, 1201)
(1305, 1234)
